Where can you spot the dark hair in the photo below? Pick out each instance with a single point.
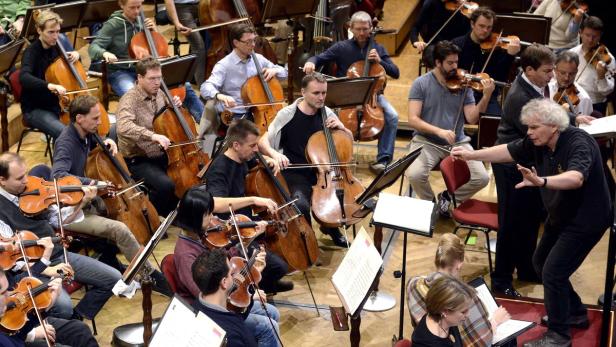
(592, 22)
(209, 269)
(240, 129)
(536, 55)
(238, 30)
(315, 76)
(443, 49)
(146, 64)
(483, 11)
(6, 159)
(195, 203)
(568, 57)
(82, 104)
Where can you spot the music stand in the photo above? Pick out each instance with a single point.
(528, 27)
(8, 56)
(98, 11)
(29, 28)
(345, 92)
(70, 12)
(285, 9)
(177, 71)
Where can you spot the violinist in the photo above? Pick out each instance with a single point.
(519, 210)
(188, 249)
(286, 139)
(565, 25)
(472, 56)
(593, 78)
(565, 71)
(438, 115)
(70, 155)
(345, 53)
(431, 18)
(223, 88)
(39, 100)
(142, 148)
(112, 42)
(62, 332)
(100, 277)
(226, 177)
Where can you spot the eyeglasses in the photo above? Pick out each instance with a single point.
(250, 42)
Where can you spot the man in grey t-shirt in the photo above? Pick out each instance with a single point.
(437, 114)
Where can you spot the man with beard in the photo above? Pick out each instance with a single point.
(438, 115)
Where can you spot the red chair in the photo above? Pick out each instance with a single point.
(472, 214)
(167, 266)
(403, 343)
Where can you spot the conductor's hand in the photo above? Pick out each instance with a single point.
(309, 67)
(461, 153)
(162, 140)
(531, 179)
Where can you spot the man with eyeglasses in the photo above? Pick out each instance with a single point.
(565, 70)
(223, 88)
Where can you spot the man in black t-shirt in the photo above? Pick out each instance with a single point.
(226, 177)
(568, 169)
(287, 136)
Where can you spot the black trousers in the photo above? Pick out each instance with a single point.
(519, 217)
(72, 332)
(559, 253)
(275, 269)
(154, 173)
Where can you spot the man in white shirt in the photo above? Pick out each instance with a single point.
(595, 80)
(565, 71)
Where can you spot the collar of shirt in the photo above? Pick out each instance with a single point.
(235, 59)
(144, 95)
(211, 306)
(535, 87)
(76, 135)
(10, 197)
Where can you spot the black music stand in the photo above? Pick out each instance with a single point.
(29, 28)
(528, 27)
(285, 9)
(98, 11)
(345, 92)
(8, 56)
(70, 12)
(178, 70)
(510, 6)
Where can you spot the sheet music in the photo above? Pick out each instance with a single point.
(601, 126)
(180, 327)
(505, 329)
(356, 272)
(403, 211)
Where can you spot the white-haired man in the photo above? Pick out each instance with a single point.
(568, 168)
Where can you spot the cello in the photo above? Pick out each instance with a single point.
(132, 207)
(297, 244)
(333, 196)
(72, 76)
(366, 121)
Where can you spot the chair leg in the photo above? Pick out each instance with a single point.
(21, 138)
(487, 233)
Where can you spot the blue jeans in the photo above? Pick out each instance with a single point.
(46, 121)
(387, 140)
(122, 81)
(260, 325)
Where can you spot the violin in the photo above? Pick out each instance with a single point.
(239, 292)
(333, 196)
(571, 7)
(567, 97)
(18, 303)
(465, 7)
(72, 76)
(296, 242)
(11, 252)
(222, 233)
(132, 207)
(462, 80)
(40, 194)
(366, 121)
(598, 54)
(503, 42)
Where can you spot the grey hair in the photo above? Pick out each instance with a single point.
(360, 16)
(568, 57)
(547, 112)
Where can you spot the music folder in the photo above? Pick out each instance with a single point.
(601, 127)
(506, 331)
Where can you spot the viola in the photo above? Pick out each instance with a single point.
(296, 242)
(366, 121)
(465, 7)
(132, 207)
(463, 79)
(571, 7)
(598, 54)
(11, 252)
(239, 292)
(18, 303)
(503, 42)
(333, 196)
(40, 194)
(222, 233)
(567, 97)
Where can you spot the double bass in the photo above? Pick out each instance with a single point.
(333, 196)
(296, 243)
(366, 121)
(132, 207)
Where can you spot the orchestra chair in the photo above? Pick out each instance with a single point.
(403, 343)
(471, 214)
(167, 266)
(487, 130)
(16, 89)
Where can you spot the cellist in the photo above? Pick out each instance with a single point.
(345, 53)
(223, 88)
(286, 139)
(142, 148)
(70, 156)
(39, 99)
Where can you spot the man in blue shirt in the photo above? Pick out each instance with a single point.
(344, 54)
